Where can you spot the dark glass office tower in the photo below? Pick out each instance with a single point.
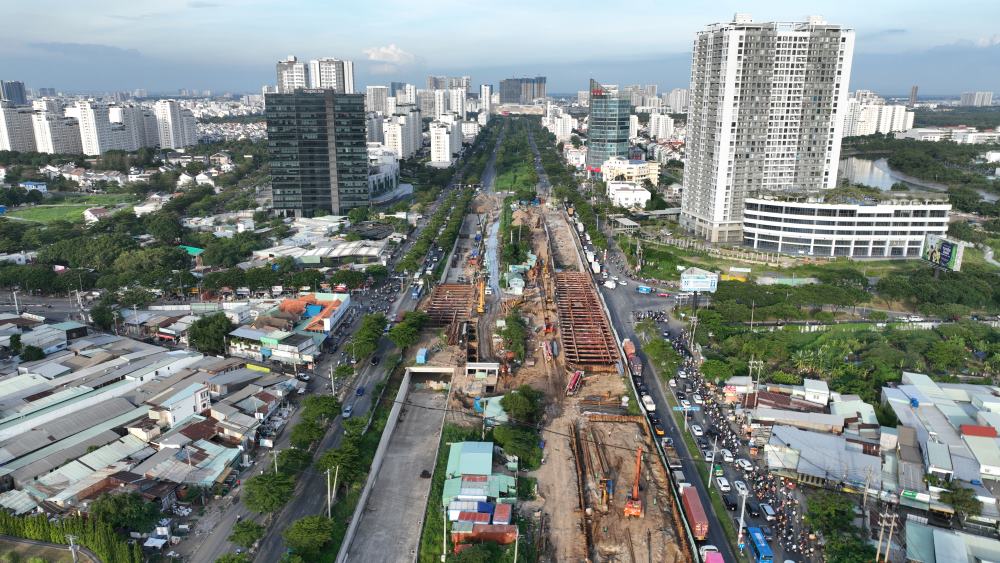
(607, 131)
(318, 154)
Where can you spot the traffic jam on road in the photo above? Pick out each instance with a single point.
(769, 507)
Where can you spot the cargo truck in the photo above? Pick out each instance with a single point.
(595, 267)
(694, 512)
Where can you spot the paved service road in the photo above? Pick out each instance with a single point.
(390, 525)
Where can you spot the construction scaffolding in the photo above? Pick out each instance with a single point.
(588, 343)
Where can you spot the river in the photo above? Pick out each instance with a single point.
(878, 174)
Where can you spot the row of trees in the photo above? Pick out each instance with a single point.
(520, 435)
(92, 533)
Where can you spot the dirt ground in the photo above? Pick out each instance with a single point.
(12, 551)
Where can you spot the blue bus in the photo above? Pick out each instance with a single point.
(760, 552)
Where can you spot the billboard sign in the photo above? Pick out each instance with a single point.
(942, 252)
(696, 279)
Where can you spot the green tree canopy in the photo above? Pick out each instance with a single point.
(208, 334)
(523, 404)
(246, 532)
(963, 500)
(348, 457)
(127, 511)
(307, 535)
(305, 433)
(268, 492)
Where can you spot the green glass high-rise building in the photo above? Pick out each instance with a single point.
(317, 145)
(607, 130)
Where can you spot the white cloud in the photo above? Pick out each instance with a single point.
(389, 54)
(989, 41)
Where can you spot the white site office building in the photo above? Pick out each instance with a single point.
(765, 112)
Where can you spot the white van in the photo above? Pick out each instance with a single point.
(769, 513)
(723, 484)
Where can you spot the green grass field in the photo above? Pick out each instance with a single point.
(50, 213)
(100, 199)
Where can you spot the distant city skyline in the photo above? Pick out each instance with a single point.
(223, 46)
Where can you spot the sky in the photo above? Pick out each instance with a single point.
(232, 45)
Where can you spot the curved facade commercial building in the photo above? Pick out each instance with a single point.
(809, 226)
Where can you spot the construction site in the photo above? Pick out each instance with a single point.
(602, 494)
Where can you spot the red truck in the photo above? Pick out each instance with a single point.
(695, 513)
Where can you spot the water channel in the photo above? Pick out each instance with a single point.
(878, 174)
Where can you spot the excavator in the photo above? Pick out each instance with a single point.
(633, 506)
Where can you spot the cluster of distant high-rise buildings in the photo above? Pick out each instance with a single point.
(320, 130)
(53, 125)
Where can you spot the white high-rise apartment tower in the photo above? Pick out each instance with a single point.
(456, 101)
(375, 98)
(977, 99)
(292, 74)
(440, 134)
(765, 113)
(16, 130)
(174, 125)
(440, 103)
(661, 126)
(335, 74)
(486, 98)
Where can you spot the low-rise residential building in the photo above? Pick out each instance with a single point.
(635, 171)
(628, 195)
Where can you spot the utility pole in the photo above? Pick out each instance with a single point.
(888, 540)
(864, 501)
(17, 308)
(444, 535)
(517, 540)
(274, 453)
(329, 499)
(881, 534)
(336, 476)
(743, 509)
(715, 446)
(72, 546)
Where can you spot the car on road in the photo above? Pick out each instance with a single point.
(622, 283)
(347, 412)
(697, 399)
(767, 531)
(727, 456)
(754, 510)
(696, 430)
(648, 403)
(672, 383)
(769, 513)
(730, 502)
(723, 484)
(741, 488)
(706, 549)
(360, 391)
(681, 396)
(663, 295)
(744, 464)
(375, 360)
(658, 430)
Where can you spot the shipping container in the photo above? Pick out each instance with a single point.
(628, 347)
(694, 512)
